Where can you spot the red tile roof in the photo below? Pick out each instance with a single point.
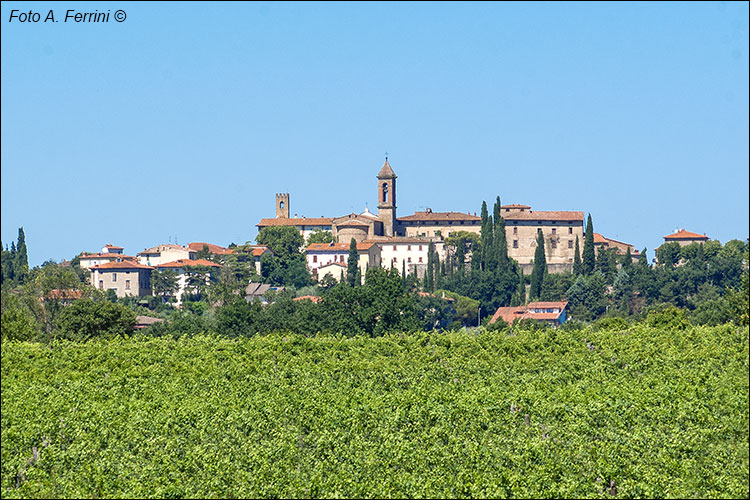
(258, 251)
(64, 294)
(311, 298)
(126, 264)
(353, 223)
(514, 206)
(214, 249)
(112, 246)
(598, 238)
(158, 249)
(298, 221)
(558, 215)
(189, 263)
(686, 235)
(337, 247)
(510, 314)
(439, 216)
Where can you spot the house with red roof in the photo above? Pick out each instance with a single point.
(552, 313)
(126, 277)
(620, 247)
(684, 238)
(322, 255)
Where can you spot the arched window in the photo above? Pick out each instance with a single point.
(281, 205)
(385, 192)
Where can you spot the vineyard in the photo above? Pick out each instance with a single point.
(635, 412)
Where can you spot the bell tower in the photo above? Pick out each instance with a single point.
(282, 205)
(387, 198)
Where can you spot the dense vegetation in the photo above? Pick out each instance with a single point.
(597, 412)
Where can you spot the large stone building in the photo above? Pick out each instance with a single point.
(404, 240)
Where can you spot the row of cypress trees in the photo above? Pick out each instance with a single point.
(14, 267)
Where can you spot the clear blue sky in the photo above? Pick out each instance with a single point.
(184, 120)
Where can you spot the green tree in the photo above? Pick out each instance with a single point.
(540, 268)
(287, 265)
(319, 236)
(85, 319)
(203, 253)
(164, 284)
(352, 270)
(668, 254)
(21, 264)
(589, 258)
(429, 276)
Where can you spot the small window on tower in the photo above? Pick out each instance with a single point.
(281, 205)
(385, 192)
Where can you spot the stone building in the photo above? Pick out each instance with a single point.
(126, 278)
(560, 230)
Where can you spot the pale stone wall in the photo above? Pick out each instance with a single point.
(559, 242)
(413, 253)
(166, 253)
(124, 282)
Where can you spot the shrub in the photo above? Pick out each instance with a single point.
(667, 316)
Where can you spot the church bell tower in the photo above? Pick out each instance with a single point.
(387, 198)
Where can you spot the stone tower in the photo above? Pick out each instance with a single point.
(282, 205)
(387, 198)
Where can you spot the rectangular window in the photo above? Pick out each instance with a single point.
(553, 243)
(114, 276)
(570, 243)
(315, 258)
(408, 247)
(515, 230)
(420, 246)
(554, 230)
(127, 284)
(394, 259)
(408, 260)
(394, 247)
(570, 230)
(101, 284)
(420, 260)
(515, 243)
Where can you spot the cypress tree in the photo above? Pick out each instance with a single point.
(486, 237)
(577, 264)
(439, 271)
(500, 242)
(460, 257)
(540, 267)
(403, 271)
(430, 274)
(589, 259)
(643, 262)
(22, 259)
(627, 260)
(353, 267)
(520, 298)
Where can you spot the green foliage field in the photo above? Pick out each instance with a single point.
(633, 412)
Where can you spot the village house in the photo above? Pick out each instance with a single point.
(319, 255)
(258, 291)
(552, 313)
(336, 270)
(600, 242)
(161, 254)
(684, 238)
(127, 278)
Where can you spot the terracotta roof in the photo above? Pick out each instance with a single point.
(557, 215)
(547, 305)
(515, 205)
(64, 294)
(299, 221)
(400, 240)
(257, 252)
(598, 238)
(112, 246)
(685, 235)
(337, 247)
(429, 215)
(189, 263)
(106, 256)
(214, 249)
(510, 314)
(311, 298)
(125, 264)
(386, 171)
(144, 321)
